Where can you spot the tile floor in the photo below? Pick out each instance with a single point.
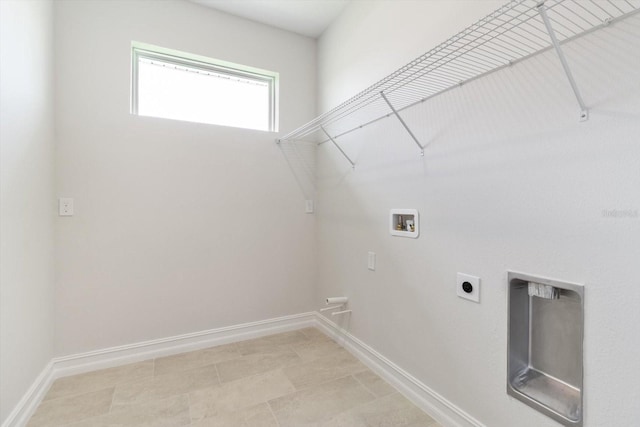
(300, 378)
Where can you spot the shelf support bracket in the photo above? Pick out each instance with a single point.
(353, 165)
(395, 112)
(584, 113)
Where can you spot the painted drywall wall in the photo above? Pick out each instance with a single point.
(178, 227)
(27, 201)
(371, 39)
(510, 180)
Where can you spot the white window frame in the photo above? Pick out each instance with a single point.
(142, 50)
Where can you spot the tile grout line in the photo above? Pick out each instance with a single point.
(362, 384)
(153, 372)
(83, 419)
(189, 408)
(375, 396)
(296, 353)
(103, 387)
(325, 382)
(218, 375)
(113, 396)
(351, 373)
(375, 399)
(273, 414)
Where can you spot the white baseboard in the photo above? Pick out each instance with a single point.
(31, 399)
(445, 412)
(441, 409)
(115, 356)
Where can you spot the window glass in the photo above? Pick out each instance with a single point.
(178, 88)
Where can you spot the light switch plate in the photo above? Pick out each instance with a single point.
(468, 287)
(65, 206)
(371, 261)
(308, 206)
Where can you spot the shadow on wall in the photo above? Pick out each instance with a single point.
(301, 158)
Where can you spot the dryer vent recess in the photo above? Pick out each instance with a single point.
(545, 354)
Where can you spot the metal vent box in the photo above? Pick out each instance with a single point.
(545, 354)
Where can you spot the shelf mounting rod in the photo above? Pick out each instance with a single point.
(403, 123)
(584, 113)
(353, 165)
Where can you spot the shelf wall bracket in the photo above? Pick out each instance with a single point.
(395, 112)
(353, 165)
(584, 113)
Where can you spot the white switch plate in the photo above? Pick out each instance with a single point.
(65, 206)
(308, 206)
(474, 282)
(371, 261)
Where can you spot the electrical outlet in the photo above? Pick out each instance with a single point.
(65, 206)
(468, 287)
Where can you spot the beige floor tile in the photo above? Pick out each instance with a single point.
(163, 386)
(336, 365)
(252, 364)
(195, 359)
(314, 334)
(271, 343)
(260, 416)
(65, 410)
(319, 403)
(171, 412)
(99, 380)
(315, 349)
(256, 416)
(222, 419)
(306, 378)
(239, 394)
(374, 383)
(393, 410)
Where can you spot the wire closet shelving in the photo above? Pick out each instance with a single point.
(516, 31)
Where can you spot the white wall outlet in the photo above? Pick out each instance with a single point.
(65, 206)
(371, 261)
(308, 206)
(468, 287)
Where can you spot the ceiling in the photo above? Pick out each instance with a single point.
(307, 17)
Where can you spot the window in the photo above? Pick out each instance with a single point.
(180, 86)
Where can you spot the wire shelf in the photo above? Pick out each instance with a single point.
(512, 33)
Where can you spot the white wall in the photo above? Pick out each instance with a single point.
(371, 39)
(27, 200)
(179, 227)
(511, 180)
